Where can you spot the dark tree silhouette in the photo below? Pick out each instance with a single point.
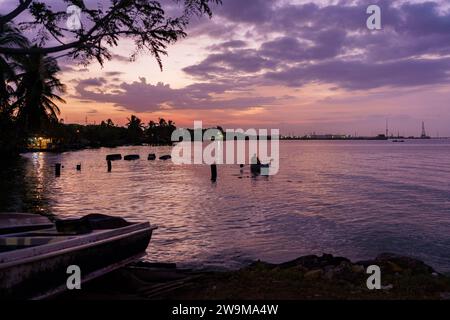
(36, 92)
(143, 21)
(161, 132)
(107, 124)
(10, 37)
(135, 129)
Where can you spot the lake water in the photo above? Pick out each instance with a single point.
(350, 198)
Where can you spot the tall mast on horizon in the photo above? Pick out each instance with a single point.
(424, 133)
(387, 127)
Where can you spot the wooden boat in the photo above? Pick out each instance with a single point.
(35, 253)
(21, 222)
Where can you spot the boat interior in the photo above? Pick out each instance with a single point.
(20, 231)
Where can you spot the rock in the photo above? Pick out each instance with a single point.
(397, 263)
(166, 157)
(113, 157)
(151, 156)
(394, 267)
(343, 266)
(308, 262)
(262, 265)
(356, 268)
(315, 262)
(365, 263)
(328, 268)
(313, 274)
(131, 157)
(329, 275)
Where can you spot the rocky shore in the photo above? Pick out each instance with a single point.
(305, 278)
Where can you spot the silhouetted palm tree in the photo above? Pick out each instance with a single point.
(6, 75)
(37, 92)
(162, 122)
(9, 37)
(107, 124)
(135, 127)
(134, 123)
(11, 139)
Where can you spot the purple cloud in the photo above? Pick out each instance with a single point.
(331, 44)
(141, 96)
(262, 42)
(355, 75)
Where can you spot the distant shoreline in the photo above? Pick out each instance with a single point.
(94, 147)
(68, 149)
(359, 138)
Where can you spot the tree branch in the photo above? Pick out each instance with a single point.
(39, 50)
(142, 20)
(24, 4)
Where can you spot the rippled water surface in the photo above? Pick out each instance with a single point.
(355, 199)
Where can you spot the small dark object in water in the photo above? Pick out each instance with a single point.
(214, 172)
(113, 157)
(57, 169)
(109, 165)
(166, 157)
(256, 168)
(78, 167)
(131, 157)
(151, 156)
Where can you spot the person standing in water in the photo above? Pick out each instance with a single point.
(255, 160)
(255, 166)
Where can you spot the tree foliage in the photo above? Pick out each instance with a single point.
(160, 132)
(143, 21)
(36, 92)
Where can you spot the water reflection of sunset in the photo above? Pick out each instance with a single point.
(338, 197)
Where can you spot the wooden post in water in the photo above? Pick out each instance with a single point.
(213, 172)
(57, 169)
(109, 165)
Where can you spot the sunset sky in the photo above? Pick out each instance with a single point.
(300, 66)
